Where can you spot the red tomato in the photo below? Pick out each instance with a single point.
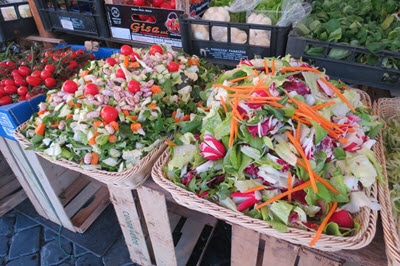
(50, 82)
(133, 86)
(45, 74)
(24, 71)
(139, 2)
(80, 52)
(133, 56)
(173, 4)
(157, 3)
(72, 65)
(70, 86)
(126, 49)
(22, 91)
(28, 96)
(111, 61)
(120, 73)
(173, 66)
(36, 73)
(10, 89)
(8, 82)
(5, 100)
(166, 5)
(49, 67)
(155, 48)
(10, 65)
(33, 80)
(20, 81)
(91, 89)
(2, 90)
(109, 113)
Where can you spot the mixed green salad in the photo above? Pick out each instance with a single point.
(281, 142)
(117, 110)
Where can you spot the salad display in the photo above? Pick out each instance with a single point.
(117, 110)
(283, 143)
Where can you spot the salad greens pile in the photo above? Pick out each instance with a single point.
(372, 24)
(284, 144)
(117, 110)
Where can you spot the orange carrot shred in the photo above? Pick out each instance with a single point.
(289, 181)
(273, 67)
(339, 94)
(323, 224)
(223, 104)
(320, 179)
(266, 68)
(39, 130)
(170, 143)
(95, 158)
(252, 189)
(298, 68)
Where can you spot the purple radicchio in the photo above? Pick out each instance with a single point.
(296, 85)
(269, 126)
(211, 148)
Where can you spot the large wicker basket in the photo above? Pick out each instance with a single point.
(386, 108)
(131, 178)
(366, 217)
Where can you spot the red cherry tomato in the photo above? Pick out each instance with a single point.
(109, 113)
(120, 73)
(20, 81)
(126, 49)
(157, 3)
(166, 5)
(70, 86)
(173, 66)
(22, 91)
(45, 74)
(173, 4)
(8, 82)
(24, 71)
(139, 2)
(50, 68)
(133, 56)
(36, 73)
(133, 86)
(155, 48)
(10, 89)
(50, 82)
(111, 61)
(91, 89)
(72, 65)
(6, 99)
(33, 80)
(10, 65)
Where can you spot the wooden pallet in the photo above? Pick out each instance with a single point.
(61, 195)
(11, 192)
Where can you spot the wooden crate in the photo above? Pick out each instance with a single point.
(61, 195)
(150, 225)
(11, 192)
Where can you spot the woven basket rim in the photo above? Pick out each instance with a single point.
(129, 178)
(297, 236)
(387, 108)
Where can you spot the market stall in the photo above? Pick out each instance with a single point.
(255, 115)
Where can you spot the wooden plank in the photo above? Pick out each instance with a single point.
(191, 232)
(307, 257)
(156, 216)
(246, 240)
(82, 198)
(12, 186)
(8, 203)
(183, 211)
(279, 252)
(129, 220)
(6, 178)
(69, 193)
(173, 220)
(87, 215)
(66, 179)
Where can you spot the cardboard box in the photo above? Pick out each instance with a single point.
(12, 115)
(148, 24)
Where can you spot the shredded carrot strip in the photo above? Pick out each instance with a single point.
(170, 143)
(92, 140)
(233, 89)
(292, 69)
(126, 61)
(266, 68)
(289, 181)
(95, 158)
(256, 188)
(320, 179)
(323, 224)
(40, 128)
(300, 150)
(320, 106)
(223, 104)
(273, 67)
(339, 94)
(255, 72)
(284, 194)
(239, 79)
(298, 132)
(255, 97)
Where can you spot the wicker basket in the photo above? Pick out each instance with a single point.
(366, 217)
(386, 108)
(131, 178)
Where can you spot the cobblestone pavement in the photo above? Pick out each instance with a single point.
(24, 242)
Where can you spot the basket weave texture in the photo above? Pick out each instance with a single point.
(130, 178)
(366, 217)
(386, 108)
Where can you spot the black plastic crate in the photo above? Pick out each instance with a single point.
(86, 17)
(348, 67)
(15, 20)
(229, 53)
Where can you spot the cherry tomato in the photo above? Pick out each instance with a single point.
(49, 67)
(155, 48)
(10, 89)
(126, 49)
(111, 61)
(166, 5)
(109, 113)
(120, 73)
(22, 91)
(139, 2)
(8, 82)
(21, 98)
(33, 80)
(36, 73)
(133, 86)
(10, 65)
(157, 3)
(173, 66)
(24, 71)
(28, 96)
(2, 90)
(20, 81)
(91, 89)
(70, 86)
(80, 52)
(72, 65)
(6, 99)
(173, 4)
(133, 56)
(50, 82)
(45, 74)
